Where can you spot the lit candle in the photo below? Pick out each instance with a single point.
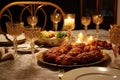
(69, 22)
(90, 39)
(80, 38)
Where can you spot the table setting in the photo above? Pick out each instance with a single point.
(60, 55)
(23, 63)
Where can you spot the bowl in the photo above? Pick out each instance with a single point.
(51, 38)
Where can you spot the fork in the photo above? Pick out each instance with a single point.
(60, 74)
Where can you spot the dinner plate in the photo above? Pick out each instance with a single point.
(105, 57)
(92, 73)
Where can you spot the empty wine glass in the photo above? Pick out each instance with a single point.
(56, 18)
(32, 20)
(15, 29)
(97, 19)
(69, 25)
(85, 20)
(32, 34)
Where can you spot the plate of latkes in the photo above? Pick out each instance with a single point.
(72, 56)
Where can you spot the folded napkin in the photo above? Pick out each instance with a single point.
(5, 55)
(7, 37)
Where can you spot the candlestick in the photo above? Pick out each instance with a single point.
(69, 22)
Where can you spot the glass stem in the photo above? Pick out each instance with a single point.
(69, 35)
(86, 28)
(15, 44)
(32, 47)
(56, 26)
(116, 51)
(33, 50)
(97, 31)
(32, 26)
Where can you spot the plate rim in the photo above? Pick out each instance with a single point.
(90, 70)
(39, 59)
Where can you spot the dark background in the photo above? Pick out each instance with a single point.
(68, 6)
(89, 7)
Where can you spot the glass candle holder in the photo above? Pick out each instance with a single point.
(69, 24)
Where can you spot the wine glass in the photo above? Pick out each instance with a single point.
(114, 36)
(15, 29)
(69, 25)
(97, 19)
(85, 20)
(32, 34)
(32, 20)
(56, 18)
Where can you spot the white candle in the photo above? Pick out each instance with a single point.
(69, 23)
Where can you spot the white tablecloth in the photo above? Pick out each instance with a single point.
(20, 69)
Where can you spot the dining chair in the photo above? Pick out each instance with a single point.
(20, 10)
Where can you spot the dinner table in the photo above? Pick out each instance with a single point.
(20, 68)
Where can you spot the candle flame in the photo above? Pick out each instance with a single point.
(78, 41)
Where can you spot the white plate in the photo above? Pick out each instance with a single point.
(92, 73)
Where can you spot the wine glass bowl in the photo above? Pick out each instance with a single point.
(86, 20)
(32, 20)
(97, 19)
(32, 34)
(56, 18)
(15, 29)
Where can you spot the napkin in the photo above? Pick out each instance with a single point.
(3, 37)
(5, 54)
